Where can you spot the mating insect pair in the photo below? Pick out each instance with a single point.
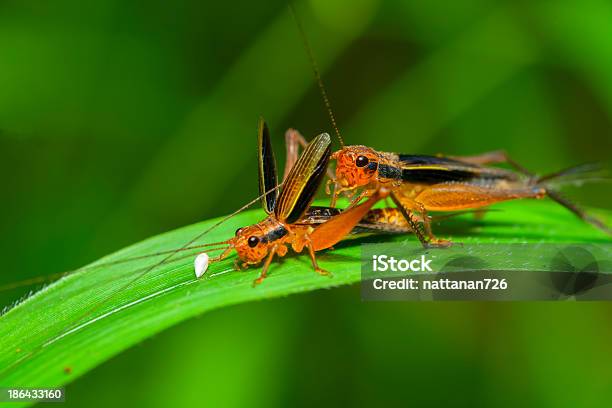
(291, 220)
(417, 184)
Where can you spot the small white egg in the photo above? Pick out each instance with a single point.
(201, 264)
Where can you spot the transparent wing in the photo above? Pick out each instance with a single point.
(268, 178)
(304, 180)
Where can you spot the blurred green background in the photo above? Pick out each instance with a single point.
(123, 119)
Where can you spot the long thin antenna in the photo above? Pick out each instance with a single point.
(317, 74)
(167, 258)
(142, 274)
(54, 276)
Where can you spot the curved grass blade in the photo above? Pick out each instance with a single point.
(38, 342)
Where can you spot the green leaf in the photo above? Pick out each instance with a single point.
(82, 320)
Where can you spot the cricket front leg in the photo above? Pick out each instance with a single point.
(221, 256)
(354, 195)
(202, 261)
(266, 266)
(348, 192)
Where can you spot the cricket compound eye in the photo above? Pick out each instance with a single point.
(253, 241)
(361, 161)
(238, 231)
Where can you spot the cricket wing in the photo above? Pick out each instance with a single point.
(303, 180)
(268, 178)
(422, 169)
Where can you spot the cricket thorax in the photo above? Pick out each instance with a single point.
(389, 169)
(253, 243)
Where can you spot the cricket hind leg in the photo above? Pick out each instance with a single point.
(313, 259)
(500, 156)
(433, 240)
(493, 157)
(427, 241)
(293, 141)
(332, 231)
(339, 226)
(459, 196)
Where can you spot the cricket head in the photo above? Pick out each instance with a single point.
(251, 244)
(356, 166)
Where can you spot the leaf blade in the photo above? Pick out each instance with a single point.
(34, 349)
